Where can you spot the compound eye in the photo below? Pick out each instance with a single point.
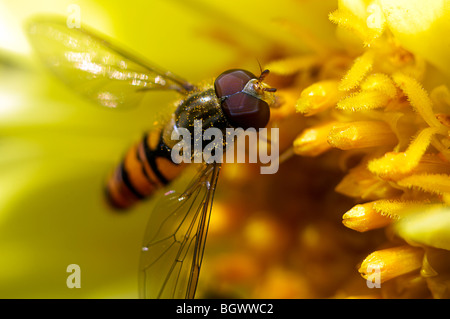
(243, 110)
(231, 82)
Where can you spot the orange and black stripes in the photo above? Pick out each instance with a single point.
(146, 167)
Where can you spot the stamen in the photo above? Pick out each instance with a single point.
(395, 209)
(318, 97)
(432, 183)
(403, 162)
(358, 71)
(429, 163)
(361, 134)
(361, 183)
(313, 141)
(364, 217)
(418, 98)
(360, 101)
(381, 83)
(392, 262)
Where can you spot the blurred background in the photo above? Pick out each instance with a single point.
(271, 236)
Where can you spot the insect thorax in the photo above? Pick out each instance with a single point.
(204, 106)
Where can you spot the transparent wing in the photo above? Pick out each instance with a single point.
(174, 242)
(93, 66)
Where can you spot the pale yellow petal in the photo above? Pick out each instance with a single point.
(422, 27)
(428, 227)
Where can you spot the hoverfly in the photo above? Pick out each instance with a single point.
(174, 241)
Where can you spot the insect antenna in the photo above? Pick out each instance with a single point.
(262, 76)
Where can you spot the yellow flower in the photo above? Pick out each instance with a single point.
(365, 105)
(387, 110)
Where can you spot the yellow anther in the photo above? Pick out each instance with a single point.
(361, 183)
(364, 217)
(381, 83)
(366, 100)
(313, 141)
(318, 97)
(392, 262)
(361, 134)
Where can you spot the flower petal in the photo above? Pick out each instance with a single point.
(422, 27)
(429, 227)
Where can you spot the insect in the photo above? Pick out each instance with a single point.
(175, 238)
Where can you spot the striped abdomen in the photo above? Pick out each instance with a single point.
(146, 167)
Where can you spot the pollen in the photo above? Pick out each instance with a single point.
(380, 213)
(360, 183)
